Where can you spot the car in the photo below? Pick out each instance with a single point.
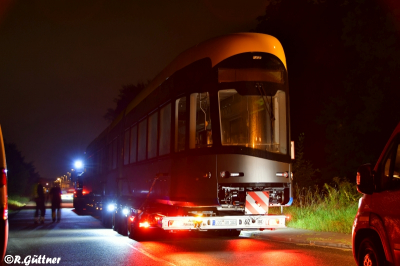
(68, 196)
(3, 199)
(376, 227)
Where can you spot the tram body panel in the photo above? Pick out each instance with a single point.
(194, 180)
(255, 170)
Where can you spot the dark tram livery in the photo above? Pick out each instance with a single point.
(209, 130)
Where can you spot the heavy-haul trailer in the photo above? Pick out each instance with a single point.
(205, 146)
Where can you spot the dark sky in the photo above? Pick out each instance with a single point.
(62, 63)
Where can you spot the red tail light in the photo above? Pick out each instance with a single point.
(3, 177)
(5, 213)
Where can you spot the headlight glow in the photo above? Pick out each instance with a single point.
(110, 207)
(125, 211)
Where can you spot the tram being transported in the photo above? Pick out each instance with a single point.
(209, 131)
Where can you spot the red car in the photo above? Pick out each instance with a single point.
(3, 199)
(376, 228)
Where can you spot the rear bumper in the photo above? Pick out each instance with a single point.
(257, 222)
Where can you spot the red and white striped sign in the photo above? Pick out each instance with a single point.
(257, 202)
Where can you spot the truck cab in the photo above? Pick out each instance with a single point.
(376, 228)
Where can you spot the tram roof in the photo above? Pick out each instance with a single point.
(217, 49)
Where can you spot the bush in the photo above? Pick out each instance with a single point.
(331, 208)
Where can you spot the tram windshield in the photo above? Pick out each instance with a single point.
(254, 119)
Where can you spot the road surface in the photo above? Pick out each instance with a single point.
(82, 240)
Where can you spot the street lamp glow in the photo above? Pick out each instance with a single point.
(78, 164)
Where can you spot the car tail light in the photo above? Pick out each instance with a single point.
(3, 177)
(5, 213)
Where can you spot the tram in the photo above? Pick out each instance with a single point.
(210, 129)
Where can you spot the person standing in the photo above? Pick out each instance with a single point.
(55, 194)
(40, 207)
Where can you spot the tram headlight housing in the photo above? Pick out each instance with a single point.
(227, 174)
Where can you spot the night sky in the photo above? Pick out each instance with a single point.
(63, 62)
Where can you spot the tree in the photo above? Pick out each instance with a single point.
(304, 171)
(343, 61)
(21, 175)
(360, 119)
(125, 96)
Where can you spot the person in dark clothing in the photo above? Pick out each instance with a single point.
(40, 199)
(55, 194)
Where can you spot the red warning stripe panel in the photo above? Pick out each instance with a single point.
(250, 209)
(257, 202)
(260, 202)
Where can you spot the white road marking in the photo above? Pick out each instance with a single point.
(150, 256)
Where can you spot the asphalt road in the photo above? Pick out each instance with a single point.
(82, 240)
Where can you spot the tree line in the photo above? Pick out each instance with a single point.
(21, 175)
(343, 61)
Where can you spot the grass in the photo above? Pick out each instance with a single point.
(15, 202)
(331, 209)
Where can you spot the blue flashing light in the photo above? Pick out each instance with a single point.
(290, 201)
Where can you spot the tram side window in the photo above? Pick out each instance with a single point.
(112, 155)
(152, 135)
(103, 160)
(126, 146)
(133, 143)
(115, 154)
(200, 121)
(180, 124)
(109, 159)
(165, 129)
(142, 140)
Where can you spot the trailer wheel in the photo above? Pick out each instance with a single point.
(122, 228)
(229, 232)
(114, 222)
(78, 208)
(106, 219)
(371, 252)
(235, 232)
(135, 232)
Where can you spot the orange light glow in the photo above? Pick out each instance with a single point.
(145, 224)
(198, 219)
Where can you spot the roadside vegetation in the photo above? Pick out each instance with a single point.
(330, 209)
(16, 202)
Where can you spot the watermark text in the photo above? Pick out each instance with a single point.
(34, 259)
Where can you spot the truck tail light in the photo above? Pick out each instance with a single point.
(144, 224)
(273, 221)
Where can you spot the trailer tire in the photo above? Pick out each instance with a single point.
(106, 219)
(78, 208)
(122, 228)
(135, 232)
(114, 224)
(229, 232)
